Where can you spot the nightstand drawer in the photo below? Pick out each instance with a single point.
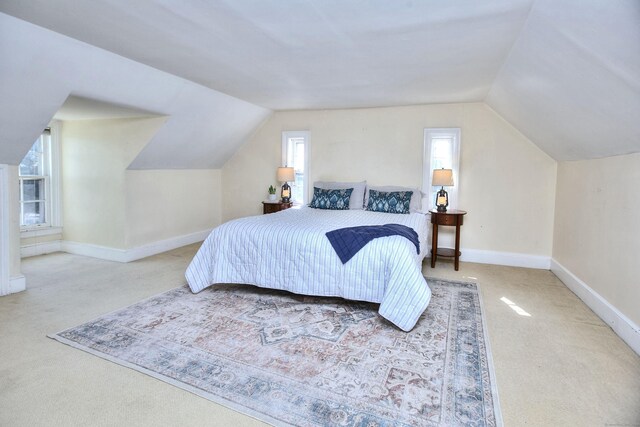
(444, 219)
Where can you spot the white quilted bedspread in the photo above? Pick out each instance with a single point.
(288, 250)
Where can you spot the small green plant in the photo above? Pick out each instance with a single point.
(272, 189)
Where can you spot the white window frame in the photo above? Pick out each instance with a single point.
(306, 135)
(427, 169)
(52, 188)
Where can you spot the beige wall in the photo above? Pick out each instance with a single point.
(166, 203)
(507, 184)
(107, 205)
(95, 155)
(597, 232)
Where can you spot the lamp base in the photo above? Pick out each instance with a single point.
(442, 200)
(285, 193)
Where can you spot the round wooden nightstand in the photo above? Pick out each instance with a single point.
(454, 218)
(272, 207)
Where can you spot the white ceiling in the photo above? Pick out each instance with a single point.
(303, 54)
(566, 73)
(40, 69)
(571, 83)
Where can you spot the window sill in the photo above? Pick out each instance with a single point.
(41, 231)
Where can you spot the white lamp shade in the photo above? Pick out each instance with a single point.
(285, 174)
(442, 177)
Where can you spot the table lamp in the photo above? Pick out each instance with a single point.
(442, 177)
(285, 174)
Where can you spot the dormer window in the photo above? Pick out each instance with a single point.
(38, 197)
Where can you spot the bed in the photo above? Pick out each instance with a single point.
(289, 251)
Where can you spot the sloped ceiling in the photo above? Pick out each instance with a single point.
(40, 69)
(564, 72)
(303, 54)
(571, 83)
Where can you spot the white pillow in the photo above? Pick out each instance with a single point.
(415, 205)
(357, 195)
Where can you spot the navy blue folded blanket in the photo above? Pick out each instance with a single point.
(348, 241)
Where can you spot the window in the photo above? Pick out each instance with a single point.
(38, 194)
(295, 153)
(441, 150)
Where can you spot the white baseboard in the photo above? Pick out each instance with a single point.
(40, 248)
(128, 255)
(94, 251)
(505, 258)
(166, 245)
(17, 284)
(621, 324)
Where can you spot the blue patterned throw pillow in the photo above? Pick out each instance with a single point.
(391, 202)
(331, 199)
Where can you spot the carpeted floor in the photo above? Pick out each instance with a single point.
(560, 366)
(295, 360)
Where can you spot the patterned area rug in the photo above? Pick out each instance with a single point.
(294, 360)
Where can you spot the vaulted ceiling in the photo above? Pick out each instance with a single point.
(566, 73)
